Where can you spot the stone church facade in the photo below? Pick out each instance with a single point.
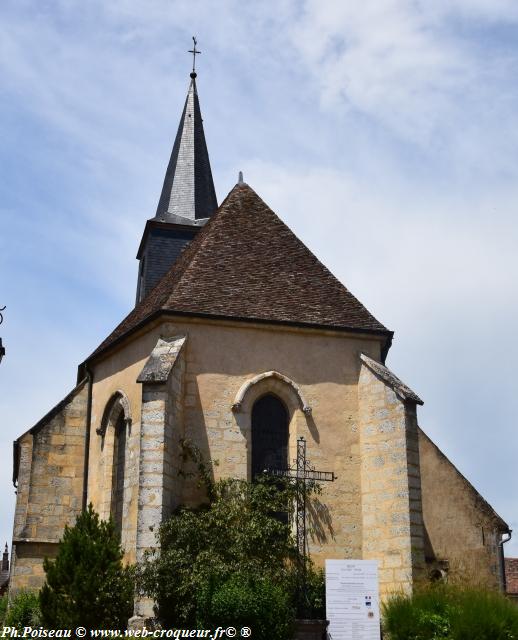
(241, 341)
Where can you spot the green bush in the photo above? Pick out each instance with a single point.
(24, 610)
(443, 612)
(316, 592)
(233, 559)
(235, 533)
(3, 609)
(242, 601)
(87, 584)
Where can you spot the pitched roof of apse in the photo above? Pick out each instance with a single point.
(246, 264)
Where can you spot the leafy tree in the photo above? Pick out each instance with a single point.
(24, 611)
(249, 601)
(238, 547)
(3, 609)
(87, 585)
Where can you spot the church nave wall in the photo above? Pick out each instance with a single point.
(463, 530)
(221, 357)
(50, 486)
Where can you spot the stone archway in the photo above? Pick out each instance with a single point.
(288, 393)
(270, 379)
(115, 430)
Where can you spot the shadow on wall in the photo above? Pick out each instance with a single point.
(319, 520)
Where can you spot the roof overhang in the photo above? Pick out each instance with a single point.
(175, 222)
(385, 336)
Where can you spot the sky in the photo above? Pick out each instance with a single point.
(384, 133)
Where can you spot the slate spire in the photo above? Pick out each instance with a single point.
(188, 189)
(187, 200)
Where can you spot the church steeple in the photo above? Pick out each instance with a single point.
(188, 189)
(5, 559)
(187, 200)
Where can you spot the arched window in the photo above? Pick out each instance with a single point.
(114, 470)
(118, 473)
(270, 435)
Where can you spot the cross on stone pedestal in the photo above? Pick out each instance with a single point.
(301, 475)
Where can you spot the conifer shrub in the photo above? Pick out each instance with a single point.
(24, 611)
(450, 612)
(87, 584)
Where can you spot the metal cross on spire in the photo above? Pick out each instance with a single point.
(194, 52)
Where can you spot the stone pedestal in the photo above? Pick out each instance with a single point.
(310, 629)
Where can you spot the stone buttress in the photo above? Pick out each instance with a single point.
(390, 477)
(159, 490)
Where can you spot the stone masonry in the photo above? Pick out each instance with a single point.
(50, 475)
(390, 479)
(161, 430)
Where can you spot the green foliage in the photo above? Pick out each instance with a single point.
(3, 609)
(236, 533)
(87, 584)
(24, 611)
(243, 601)
(316, 592)
(233, 560)
(443, 612)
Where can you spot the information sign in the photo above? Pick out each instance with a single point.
(352, 599)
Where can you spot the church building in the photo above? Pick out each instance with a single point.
(242, 342)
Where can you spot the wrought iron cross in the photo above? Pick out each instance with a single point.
(194, 52)
(301, 475)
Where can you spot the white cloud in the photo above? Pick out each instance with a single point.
(441, 274)
(406, 67)
(383, 133)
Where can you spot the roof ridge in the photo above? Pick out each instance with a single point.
(187, 256)
(180, 265)
(247, 264)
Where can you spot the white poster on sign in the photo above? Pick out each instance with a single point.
(352, 599)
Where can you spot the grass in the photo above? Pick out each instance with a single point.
(445, 612)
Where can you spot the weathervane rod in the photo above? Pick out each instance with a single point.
(194, 52)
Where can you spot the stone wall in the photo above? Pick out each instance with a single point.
(390, 483)
(511, 576)
(161, 429)
(219, 358)
(462, 529)
(27, 564)
(51, 458)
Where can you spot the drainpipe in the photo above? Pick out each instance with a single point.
(87, 443)
(501, 543)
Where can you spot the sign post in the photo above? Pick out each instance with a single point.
(352, 599)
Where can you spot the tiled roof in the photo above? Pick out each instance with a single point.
(391, 379)
(246, 264)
